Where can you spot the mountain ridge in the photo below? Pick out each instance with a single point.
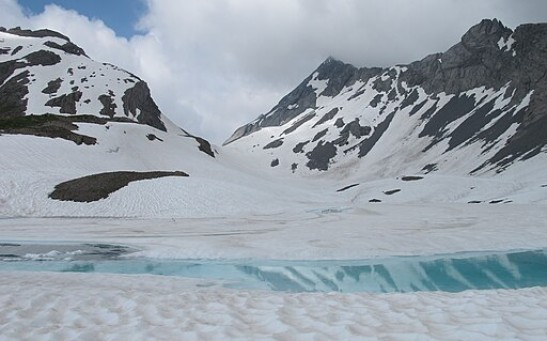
(475, 93)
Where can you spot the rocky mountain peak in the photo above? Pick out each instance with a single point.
(487, 33)
(487, 91)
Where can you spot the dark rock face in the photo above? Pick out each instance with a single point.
(12, 95)
(299, 123)
(327, 117)
(53, 86)
(66, 103)
(299, 148)
(42, 57)
(138, 97)
(274, 144)
(68, 47)
(204, 146)
(320, 156)
(109, 107)
(38, 33)
(16, 50)
(320, 134)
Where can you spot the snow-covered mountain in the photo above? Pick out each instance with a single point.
(478, 108)
(84, 138)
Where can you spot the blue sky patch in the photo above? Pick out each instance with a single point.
(120, 15)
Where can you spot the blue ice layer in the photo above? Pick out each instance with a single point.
(449, 273)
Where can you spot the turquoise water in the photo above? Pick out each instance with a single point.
(450, 273)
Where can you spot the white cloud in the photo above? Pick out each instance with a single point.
(214, 65)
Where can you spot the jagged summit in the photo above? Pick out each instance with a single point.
(484, 100)
(486, 34)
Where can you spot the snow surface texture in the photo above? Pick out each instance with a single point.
(92, 307)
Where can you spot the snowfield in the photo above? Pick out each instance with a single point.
(105, 307)
(228, 208)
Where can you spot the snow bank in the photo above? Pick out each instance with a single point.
(91, 307)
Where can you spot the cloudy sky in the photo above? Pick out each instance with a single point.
(217, 64)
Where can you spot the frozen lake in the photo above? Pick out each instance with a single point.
(449, 273)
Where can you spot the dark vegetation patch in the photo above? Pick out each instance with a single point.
(412, 178)
(52, 126)
(327, 117)
(346, 188)
(375, 200)
(299, 123)
(274, 163)
(153, 137)
(274, 144)
(294, 166)
(299, 148)
(99, 186)
(392, 191)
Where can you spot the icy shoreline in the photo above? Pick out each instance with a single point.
(46, 306)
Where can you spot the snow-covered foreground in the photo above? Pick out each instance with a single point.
(94, 306)
(107, 307)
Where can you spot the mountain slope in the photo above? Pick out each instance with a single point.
(478, 108)
(82, 138)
